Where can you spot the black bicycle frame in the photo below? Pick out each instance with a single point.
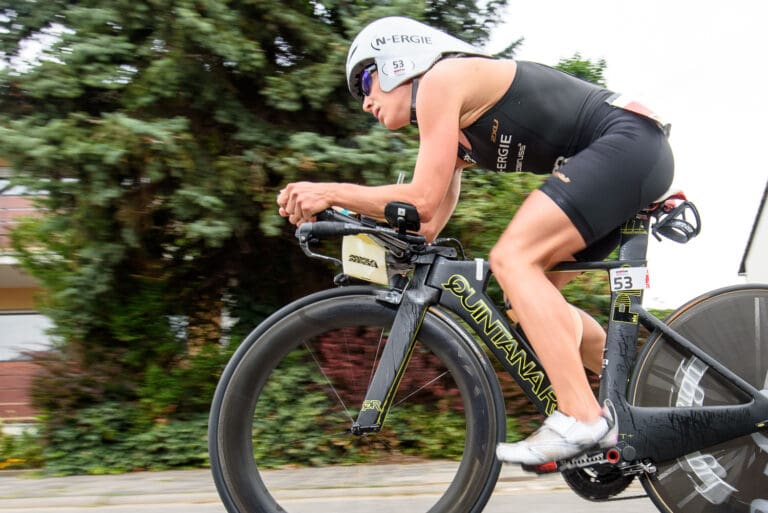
(657, 433)
(654, 433)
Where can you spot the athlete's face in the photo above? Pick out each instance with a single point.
(392, 109)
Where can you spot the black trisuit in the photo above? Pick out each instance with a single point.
(607, 163)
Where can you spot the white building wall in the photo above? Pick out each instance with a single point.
(754, 265)
(756, 262)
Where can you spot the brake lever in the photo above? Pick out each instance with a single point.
(304, 243)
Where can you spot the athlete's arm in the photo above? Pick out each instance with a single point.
(434, 226)
(439, 108)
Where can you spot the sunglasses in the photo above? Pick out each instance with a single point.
(366, 79)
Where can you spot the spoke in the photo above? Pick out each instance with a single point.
(422, 387)
(358, 385)
(376, 358)
(328, 381)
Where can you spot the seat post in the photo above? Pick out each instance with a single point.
(623, 326)
(633, 244)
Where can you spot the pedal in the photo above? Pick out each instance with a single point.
(585, 460)
(544, 468)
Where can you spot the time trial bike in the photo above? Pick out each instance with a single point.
(402, 350)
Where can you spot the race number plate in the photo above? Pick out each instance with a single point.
(629, 278)
(364, 259)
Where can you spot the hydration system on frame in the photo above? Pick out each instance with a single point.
(402, 49)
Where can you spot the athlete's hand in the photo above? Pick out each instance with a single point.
(300, 201)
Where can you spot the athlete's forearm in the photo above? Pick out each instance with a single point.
(434, 226)
(371, 200)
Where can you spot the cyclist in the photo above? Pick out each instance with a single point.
(607, 160)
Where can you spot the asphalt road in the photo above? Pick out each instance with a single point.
(194, 492)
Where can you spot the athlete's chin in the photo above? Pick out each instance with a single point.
(393, 124)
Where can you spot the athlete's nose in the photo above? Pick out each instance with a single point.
(367, 104)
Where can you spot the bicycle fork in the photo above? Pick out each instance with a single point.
(396, 354)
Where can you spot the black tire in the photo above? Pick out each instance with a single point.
(731, 325)
(279, 382)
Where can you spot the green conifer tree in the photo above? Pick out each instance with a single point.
(157, 134)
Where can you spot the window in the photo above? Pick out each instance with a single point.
(23, 332)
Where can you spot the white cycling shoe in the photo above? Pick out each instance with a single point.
(562, 437)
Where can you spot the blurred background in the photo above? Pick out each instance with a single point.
(142, 145)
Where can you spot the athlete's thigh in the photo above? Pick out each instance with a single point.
(613, 178)
(541, 232)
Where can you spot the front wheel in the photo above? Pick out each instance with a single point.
(286, 402)
(732, 326)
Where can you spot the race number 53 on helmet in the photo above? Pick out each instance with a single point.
(402, 49)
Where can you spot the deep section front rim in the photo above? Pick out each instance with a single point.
(289, 397)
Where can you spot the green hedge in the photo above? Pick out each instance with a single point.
(107, 439)
(22, 451)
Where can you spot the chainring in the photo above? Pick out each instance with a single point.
(597, 483)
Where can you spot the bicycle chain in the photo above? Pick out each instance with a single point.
(591, 459)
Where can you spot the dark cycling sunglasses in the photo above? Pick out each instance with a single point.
(366, 79)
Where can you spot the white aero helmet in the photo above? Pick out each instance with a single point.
(402, 49)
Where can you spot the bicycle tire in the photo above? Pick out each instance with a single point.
(242, 401)
(730, 324)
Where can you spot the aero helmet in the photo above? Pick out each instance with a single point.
(402, 49)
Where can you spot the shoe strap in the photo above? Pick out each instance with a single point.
(559, 423)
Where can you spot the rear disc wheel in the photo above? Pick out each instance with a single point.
(732, 326)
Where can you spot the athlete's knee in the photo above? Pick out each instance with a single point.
(498, 257)
(508, 256)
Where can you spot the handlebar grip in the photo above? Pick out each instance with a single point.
(322, 229)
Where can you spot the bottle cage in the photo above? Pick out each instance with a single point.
(680, 223)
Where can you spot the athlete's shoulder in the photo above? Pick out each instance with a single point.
(469, 65)
(469, 76)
